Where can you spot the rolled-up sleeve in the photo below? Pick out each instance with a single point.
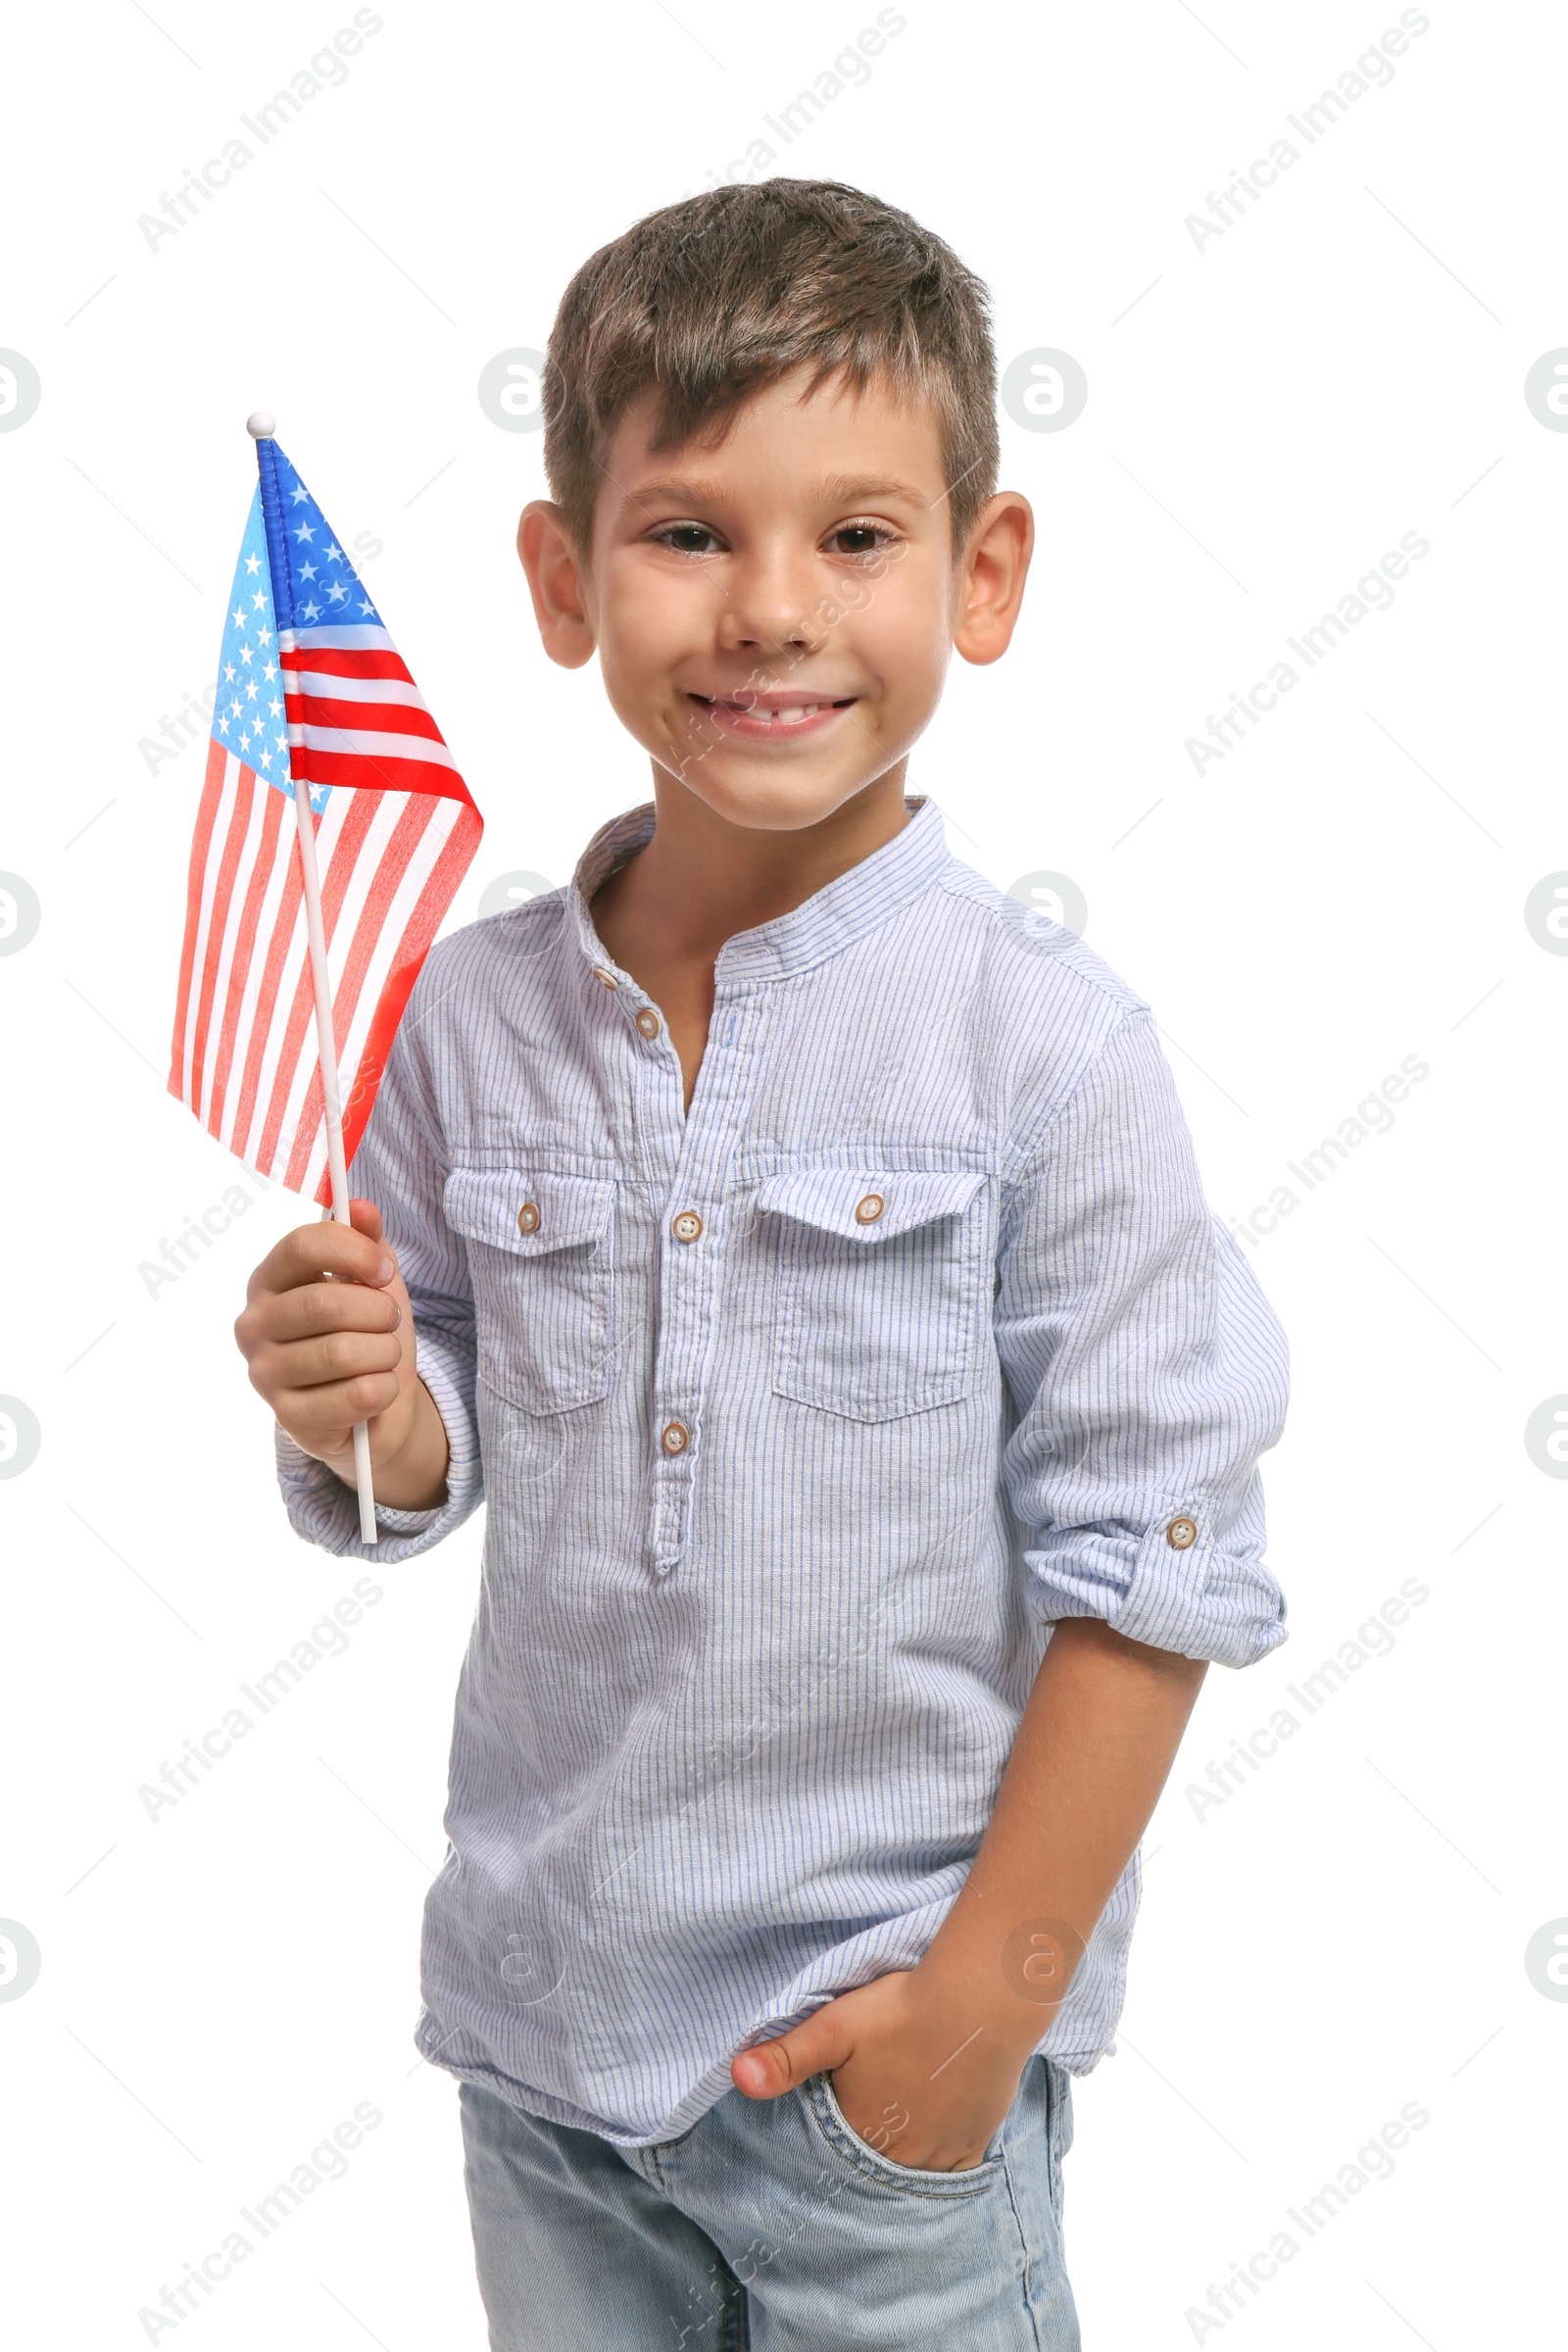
(400, 1165)
(1147, 1372)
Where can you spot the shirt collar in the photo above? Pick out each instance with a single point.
(824, 924)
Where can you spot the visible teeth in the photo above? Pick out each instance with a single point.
(796, 711)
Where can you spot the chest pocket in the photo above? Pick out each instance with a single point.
(882, 1288)
(540, 1258)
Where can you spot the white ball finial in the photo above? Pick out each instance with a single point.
(261, 425)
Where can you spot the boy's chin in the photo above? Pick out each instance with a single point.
(772, 804)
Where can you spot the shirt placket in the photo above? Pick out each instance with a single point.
(699, 1148)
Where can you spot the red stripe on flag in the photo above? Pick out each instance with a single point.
(245, 944)
(206, 818)
(334, 883)
(346, 663)
(277, 947)
(393, 864)
(239, 823)
(375, 771)
(421, 929)
(387, 718)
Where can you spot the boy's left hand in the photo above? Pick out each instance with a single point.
(921, 2075)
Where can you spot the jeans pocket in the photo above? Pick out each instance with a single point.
(540, 1261)
(821, 2101)
(880, 1288)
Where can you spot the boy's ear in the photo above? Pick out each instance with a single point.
(556, 584)
(996, 564)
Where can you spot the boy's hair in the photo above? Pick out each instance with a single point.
(708, 300)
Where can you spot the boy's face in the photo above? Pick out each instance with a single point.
(774, 610)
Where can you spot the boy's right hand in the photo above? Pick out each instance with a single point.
(327, 1332)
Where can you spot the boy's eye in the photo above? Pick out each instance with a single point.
(859, 538)
(686, 538)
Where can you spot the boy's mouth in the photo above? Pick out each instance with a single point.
(771, 717)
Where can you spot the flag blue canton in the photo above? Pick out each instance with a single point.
(322, 590)
(248, 717)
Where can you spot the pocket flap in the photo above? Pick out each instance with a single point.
(532, 1214)
(867, 1205)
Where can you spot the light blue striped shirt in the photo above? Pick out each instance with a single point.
(800, 1417)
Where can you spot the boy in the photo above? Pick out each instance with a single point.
(801, 1245)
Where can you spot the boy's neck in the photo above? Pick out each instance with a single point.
(701, 879)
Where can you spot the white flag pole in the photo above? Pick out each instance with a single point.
(262, 428)
(326, 1049)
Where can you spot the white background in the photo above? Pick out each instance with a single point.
(1346, 1931)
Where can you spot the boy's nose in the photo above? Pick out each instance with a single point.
(774, 608)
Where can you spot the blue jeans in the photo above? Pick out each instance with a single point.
(770, 2225)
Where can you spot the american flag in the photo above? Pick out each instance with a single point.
(311, 694)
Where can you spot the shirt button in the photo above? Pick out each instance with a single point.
(687, 1226)
(676, 1436)
(1181, 1533)
(648, 1021)
(528, 1217)
(867, 1211)
(604, 978)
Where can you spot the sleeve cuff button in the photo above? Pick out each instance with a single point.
(1181, 1533)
